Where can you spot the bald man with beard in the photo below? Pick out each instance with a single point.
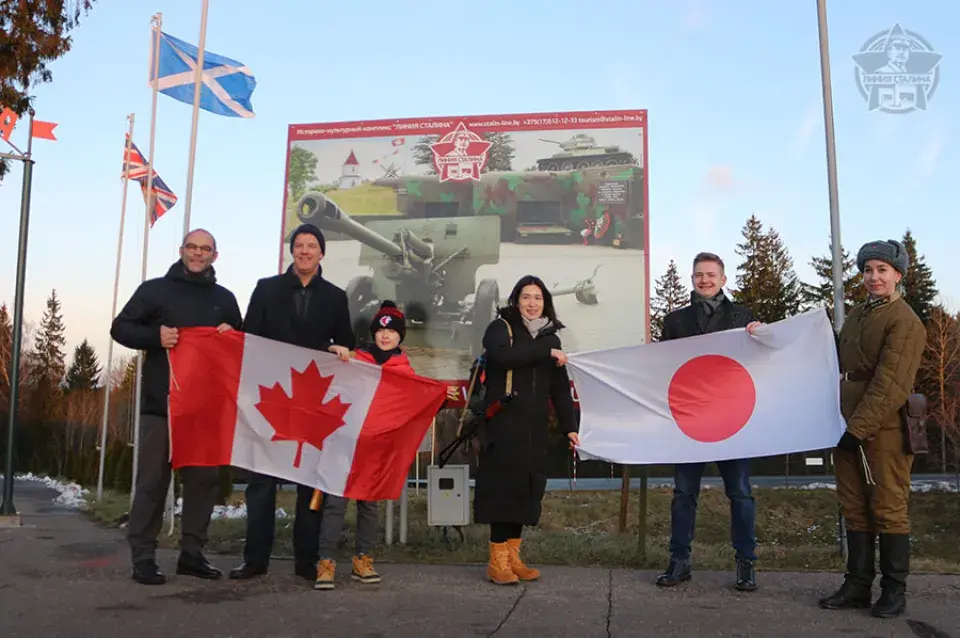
(187, 296)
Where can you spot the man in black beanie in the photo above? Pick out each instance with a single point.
(302, 308)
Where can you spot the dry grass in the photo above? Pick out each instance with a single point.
(796, 529)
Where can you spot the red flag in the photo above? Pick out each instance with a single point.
(349, 429)
(44, 130)
(8, 121)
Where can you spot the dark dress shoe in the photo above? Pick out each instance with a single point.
(197, 566)
(247, 571)
(746, 575)
(678, 572)
(146, 572)
(306, 571)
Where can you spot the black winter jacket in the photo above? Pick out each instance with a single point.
(693, 320)
(511, 472)
(314, 316)
(179, 299)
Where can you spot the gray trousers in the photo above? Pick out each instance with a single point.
(331, 525)
(201, 486)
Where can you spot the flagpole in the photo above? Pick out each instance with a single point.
(839, 308)
(197, 84)
(156, 23)
(113, 311)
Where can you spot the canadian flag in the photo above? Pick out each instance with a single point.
(726, 395)
(346, 428)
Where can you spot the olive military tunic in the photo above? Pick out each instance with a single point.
(880, 348)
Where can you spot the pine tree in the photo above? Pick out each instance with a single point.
(766, 283)
(84, 372)
(48, 363)
(920, 288)
(670, 294)
(6, 343)
(820, 295)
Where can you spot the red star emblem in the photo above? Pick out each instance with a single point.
(460, 155)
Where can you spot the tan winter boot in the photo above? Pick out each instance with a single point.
(498, 569)
(326, 571)
(516, 565)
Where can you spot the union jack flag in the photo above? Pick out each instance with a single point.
(133, 161)
(135, 167)
(163, 198)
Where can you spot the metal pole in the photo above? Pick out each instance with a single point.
(642, 516)
(113, 312)
(839, 309)
(197, 84)
(624, 498)
(404, 509)
(157, 22)
(388, 524)
(7, 508)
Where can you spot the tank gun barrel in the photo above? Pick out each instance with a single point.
(419, 247)
(317, 209)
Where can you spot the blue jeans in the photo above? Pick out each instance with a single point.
(683, 510)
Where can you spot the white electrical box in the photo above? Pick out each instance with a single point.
(448, 495)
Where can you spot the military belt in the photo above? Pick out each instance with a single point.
(856, 375)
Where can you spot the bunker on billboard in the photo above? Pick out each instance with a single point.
(897, 71)
(443, 215)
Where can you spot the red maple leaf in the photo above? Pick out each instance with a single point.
(304, 417)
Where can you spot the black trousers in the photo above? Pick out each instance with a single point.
(201, 486)
(261, 498)
(502, 532)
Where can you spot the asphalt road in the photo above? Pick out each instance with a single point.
(62, 575)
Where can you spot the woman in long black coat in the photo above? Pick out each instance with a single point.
(511, 474)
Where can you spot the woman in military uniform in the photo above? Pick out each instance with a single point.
(880, 347)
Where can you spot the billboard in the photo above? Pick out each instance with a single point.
(444, 214)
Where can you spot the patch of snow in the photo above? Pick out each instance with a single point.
(70, 494)
(227, 511)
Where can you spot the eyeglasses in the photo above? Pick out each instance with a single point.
(205, 249)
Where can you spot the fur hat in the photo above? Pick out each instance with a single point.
(889, 251)
(309, 229)
(389, 316)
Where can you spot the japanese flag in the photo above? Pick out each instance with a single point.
(727, 395)
(346, 428)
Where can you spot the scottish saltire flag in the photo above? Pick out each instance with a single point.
(133, 161)
(163, 198)
(227, 84)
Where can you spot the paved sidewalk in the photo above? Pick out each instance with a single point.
(62, 575)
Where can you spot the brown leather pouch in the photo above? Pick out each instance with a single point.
(913, 418)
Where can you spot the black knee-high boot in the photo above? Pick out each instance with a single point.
(894, 567)
(855, 593)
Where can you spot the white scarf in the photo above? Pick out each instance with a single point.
(534, 326)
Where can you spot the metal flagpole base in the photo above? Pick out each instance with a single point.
(10, 520)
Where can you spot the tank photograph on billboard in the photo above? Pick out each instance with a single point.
(444, 214)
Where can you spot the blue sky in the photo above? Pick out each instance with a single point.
(732, 88)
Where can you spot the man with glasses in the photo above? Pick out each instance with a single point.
(187, 296)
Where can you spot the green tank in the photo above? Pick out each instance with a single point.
(580, 152)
